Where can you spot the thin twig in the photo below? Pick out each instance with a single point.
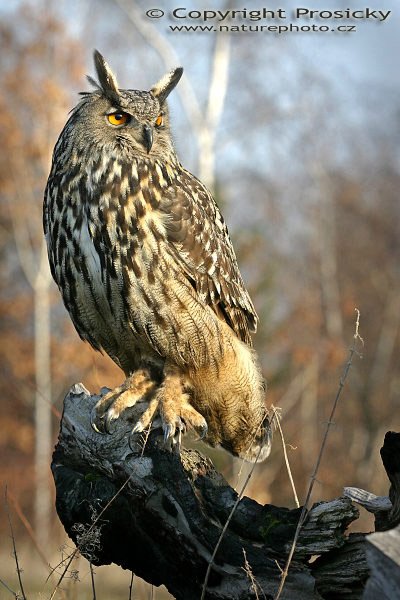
(145, 438)
(238, 499)
(240, 495)
(289, 471)
(28, 527)
(77, 549)
(131, 585)
(252, 441)
(8, 588)
(92, 580)
(14, 548)
(303, 514)
(255, 586)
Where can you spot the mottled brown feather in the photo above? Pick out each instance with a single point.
(202, 247)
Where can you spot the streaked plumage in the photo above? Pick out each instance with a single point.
(147, 271)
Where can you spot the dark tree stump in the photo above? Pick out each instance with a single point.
(167, 519)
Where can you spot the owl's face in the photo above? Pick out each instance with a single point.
(130, 121)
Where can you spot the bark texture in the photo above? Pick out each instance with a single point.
(165, 522)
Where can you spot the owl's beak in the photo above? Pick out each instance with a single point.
(148, 137)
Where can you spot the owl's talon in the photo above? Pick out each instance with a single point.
(169, 431)
(202, 431)
(108, 422)
(177, 441)
(173, 434)
(138, 428)
(94, 422)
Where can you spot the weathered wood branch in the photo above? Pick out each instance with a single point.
(383, 548)
(165, 522)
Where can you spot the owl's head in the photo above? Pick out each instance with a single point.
(132, 121)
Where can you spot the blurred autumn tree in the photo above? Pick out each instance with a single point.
(343, 253)
(40, 65)
(311, 197)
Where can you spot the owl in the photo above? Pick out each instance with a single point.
(146, 269)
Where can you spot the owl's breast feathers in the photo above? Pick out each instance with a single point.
(126, 234)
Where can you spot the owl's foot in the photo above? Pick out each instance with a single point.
(136, 388)
(176, 413)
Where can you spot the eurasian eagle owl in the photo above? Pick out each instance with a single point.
(143, 260)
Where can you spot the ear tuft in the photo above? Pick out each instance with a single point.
(93, 82)
(164, 87)
(107, 80)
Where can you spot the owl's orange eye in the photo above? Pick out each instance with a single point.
(118, 118)
(159, 120)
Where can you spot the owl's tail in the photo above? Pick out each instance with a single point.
(231, 397)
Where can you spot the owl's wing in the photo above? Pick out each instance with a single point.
(200, 243)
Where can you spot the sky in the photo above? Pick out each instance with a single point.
(358, 66)
(369, 54)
